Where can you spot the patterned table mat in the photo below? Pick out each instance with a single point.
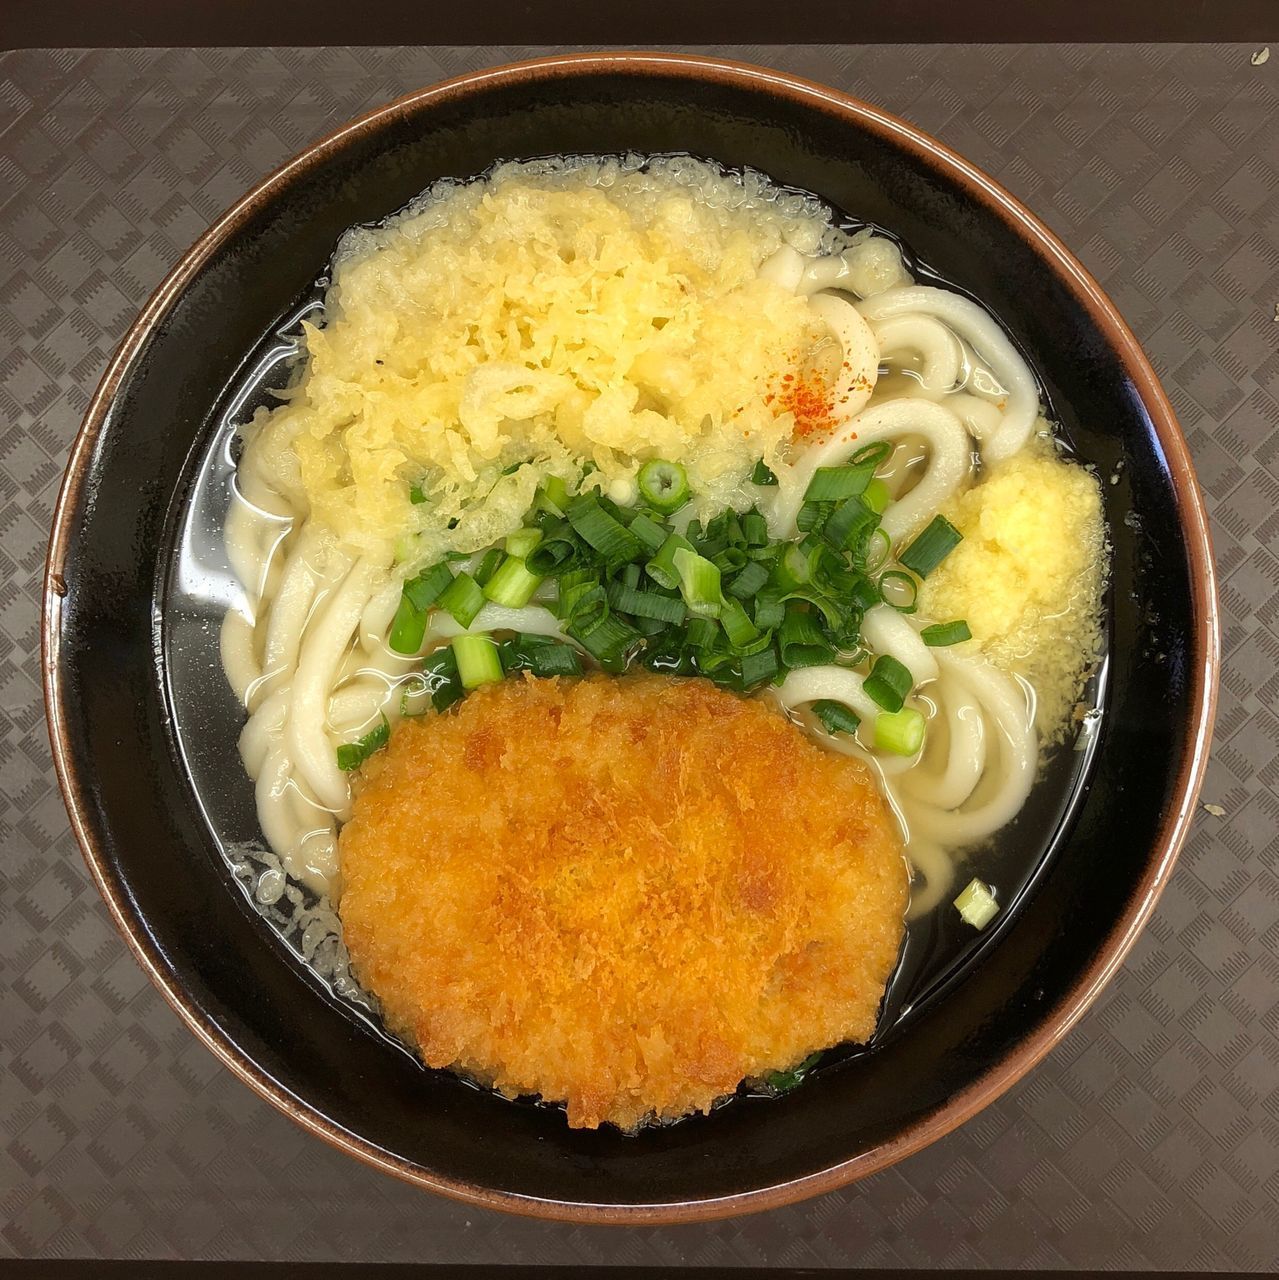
(1148, 1139)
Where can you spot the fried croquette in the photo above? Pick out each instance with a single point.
(625, 894)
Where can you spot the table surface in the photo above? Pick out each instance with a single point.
(1148, 1139)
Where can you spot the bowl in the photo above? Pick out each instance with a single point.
(120, 674)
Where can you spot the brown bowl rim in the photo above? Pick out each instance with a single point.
(1000, 1075)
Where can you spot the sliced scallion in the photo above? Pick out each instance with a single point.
(753, 575)
(834, 484)
(512, 585)
(801, 639)
(645, 604)
(849, 525)
(755, 529)
(762, 474)
(835, 716)
(593, 524)
(417, 495)
(899, 732)
(888, 683)
(976, 904)
(649, 532)
(463, 599)
(478, 661)
(424, 590)
(758, 667)
(699, 583)
(663, 485)
(661, 568)
(871, 455)
(408, 629)
(877, 496)
(942, 634)
(899, 590)
(931, 547)
(440, 673)
(739, 629)
(488, 565)
(351, 755)
(521, 543)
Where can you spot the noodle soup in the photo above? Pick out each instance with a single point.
(587, 419)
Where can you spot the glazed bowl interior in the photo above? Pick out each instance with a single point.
(144, 828)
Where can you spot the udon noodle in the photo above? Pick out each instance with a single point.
(926, 371)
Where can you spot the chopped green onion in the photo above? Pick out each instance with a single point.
(730, 560)
(440, 673)
(762, 474)
(878, 549)
(408, 630)
(612, 539)
(901, 732)
(477, 660)
(739, 629)
(663, 485)
(512, 585)
(792, 570)
(834, 484)
(463, 599)
(835, 716)
(931, 547)
(748, 581)
(488, 565)
(785, 1081)
(417, 495)
(521, 543)
(590, 607)
(899, 590)
(758, 667)
(877, 496)
(849, 525)
(351, 755)
(801, 640)
(871, 455)
(554, 494)
(755, 529)
(649, 532)
(555, 660)
(888, 683)
(573, 586)
(863, 594)
(424, 590)
(699, 582)
(556, 553)
(976, 904)
(414, 687)
(607, 640)
(812, 516)
(770, 608)
(645, 604)
(661, 568)
(541, 655)
(942, 634)
(700, 633)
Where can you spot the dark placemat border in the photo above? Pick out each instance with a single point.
(69, 1269)
(36, 24)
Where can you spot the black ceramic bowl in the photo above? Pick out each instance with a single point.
(149, 834)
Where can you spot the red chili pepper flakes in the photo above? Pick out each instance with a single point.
(806, 395)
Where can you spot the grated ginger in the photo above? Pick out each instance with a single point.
(1027, 577)
(544, 321)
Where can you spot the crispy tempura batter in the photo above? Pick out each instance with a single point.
(626, 894)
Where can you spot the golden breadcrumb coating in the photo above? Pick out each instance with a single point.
(626, 894)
